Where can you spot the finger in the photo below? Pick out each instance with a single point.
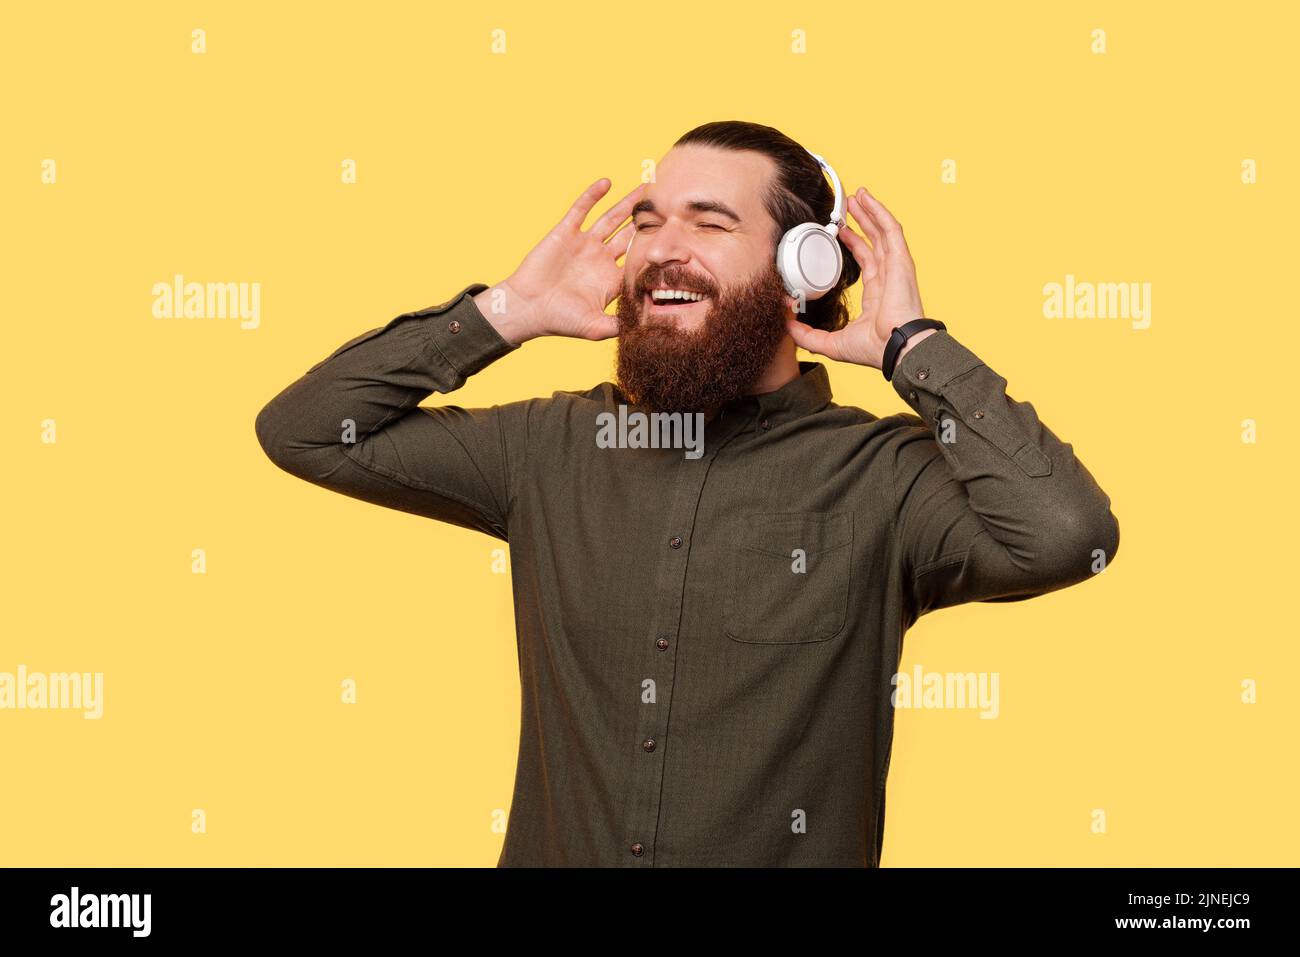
(620, 242)
(600, 325)
(610, 221)
(577, 213)
(817, 341)
(861, 217)
(891, 227)
(863, 253)
(867, 220)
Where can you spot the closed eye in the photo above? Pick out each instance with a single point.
(644, 226)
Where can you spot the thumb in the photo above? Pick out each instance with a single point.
(599, 325)
(817, 341)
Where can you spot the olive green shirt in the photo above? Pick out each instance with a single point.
(706, 644)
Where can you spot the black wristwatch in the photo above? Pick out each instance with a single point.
(898, 338)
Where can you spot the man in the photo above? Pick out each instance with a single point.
(706, 639)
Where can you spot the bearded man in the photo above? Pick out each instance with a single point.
(707, 643)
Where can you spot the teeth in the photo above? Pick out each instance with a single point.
(663, 295)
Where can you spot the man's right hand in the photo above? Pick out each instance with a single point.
(563, 286)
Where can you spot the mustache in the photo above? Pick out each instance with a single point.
(674, 280)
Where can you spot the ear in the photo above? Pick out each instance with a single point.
(792, 304)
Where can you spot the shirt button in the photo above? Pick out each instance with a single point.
(648, 744)
(912, 395)
(979, 415)
(923, 374)
(662, 644)
(454, 325)
(676, 542)
(638, 848)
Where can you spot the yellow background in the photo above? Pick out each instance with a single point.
(222, 690)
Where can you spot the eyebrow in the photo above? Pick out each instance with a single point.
(695, 206)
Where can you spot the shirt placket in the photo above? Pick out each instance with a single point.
(661, 640)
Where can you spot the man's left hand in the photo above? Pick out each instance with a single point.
(890, 296)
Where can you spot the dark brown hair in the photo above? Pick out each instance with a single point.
(799, 192)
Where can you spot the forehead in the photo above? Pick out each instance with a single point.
(737, 178)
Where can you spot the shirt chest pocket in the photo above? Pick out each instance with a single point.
(788, 579)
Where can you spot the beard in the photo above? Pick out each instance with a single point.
(666, 369)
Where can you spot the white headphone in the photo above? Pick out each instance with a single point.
(808, 256)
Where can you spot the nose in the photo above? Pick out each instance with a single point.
(666, 246)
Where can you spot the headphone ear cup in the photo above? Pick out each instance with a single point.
(787, 263)
(809, 260)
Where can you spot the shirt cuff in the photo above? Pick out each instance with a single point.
(939, 374)
(919, 377)
(464, 336)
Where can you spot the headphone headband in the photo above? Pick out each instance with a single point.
(837, 211)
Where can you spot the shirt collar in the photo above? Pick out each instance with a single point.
(808, 392)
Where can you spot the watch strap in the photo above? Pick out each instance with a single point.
(898, 338)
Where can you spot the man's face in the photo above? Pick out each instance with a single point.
(701, 227)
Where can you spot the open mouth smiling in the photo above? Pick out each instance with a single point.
(674, 300)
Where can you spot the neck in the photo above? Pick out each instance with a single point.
(783, 369)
